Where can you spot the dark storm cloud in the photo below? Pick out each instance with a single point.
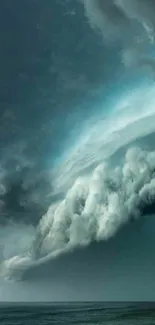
(58, 68)
(120, 269)
(93, 209)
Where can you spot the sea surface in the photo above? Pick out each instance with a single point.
(78, 314)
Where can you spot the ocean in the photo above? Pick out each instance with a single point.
(78, 314)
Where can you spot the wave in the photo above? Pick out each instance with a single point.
(97, 190)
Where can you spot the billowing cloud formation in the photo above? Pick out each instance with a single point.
(131, 23)
(93, 193)
(94, 208)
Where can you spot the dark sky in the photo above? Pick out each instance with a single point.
(50, 62)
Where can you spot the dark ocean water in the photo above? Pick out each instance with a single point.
(78, 313)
